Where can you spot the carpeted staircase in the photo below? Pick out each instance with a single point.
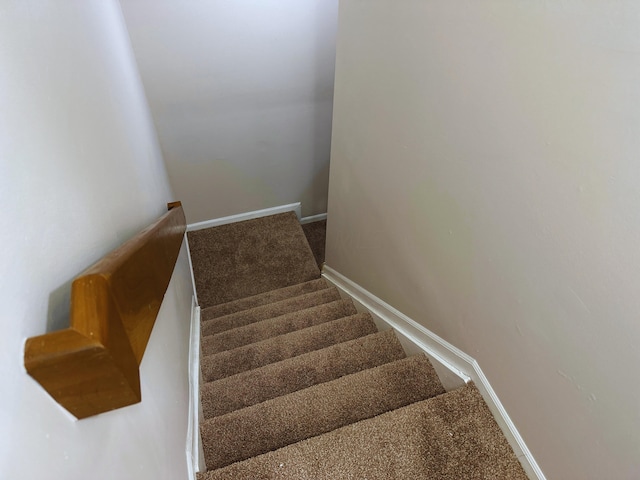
(300, 385)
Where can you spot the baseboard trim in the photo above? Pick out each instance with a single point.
(313, 218)
(216, 222)
(451, 363)
(195, 454)
(451, 358)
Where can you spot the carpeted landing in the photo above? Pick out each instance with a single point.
(300, 385)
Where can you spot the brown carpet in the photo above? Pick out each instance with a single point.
(272, 327)
(259, 354)
(315, 410)
(263, 312)
(298, 385)
(264, 298)
(316, 233)
(288, 376)
(449, 437)
(247, 258)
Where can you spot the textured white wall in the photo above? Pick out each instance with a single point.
(241, 94)
(80, 173)
(484, 181)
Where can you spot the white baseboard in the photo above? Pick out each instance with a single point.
(195, 454)
(454, 367)
(216, 222)
(313, 218)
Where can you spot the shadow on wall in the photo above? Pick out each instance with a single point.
(59, 310)
(324, 64)
(317, 190)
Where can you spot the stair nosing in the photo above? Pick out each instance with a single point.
(387, 336)
(364, 315)
(325, 284)
(373, 379)
(218, 320)
(310, 311)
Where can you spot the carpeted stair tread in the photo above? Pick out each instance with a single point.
(281, 378)
(247, 258)
(316, 410)
(297, 390)
(448, 437)
(276, 349)
(264, 298)
(262, 312)
(272, 327)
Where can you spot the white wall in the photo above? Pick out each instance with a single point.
(484, 181)
(80, 173)
(241, 94)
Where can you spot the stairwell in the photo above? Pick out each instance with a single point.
(300, 385)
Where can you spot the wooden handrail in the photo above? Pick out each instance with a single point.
(93, 366)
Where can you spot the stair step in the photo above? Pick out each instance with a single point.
(251, 257)
(272, 327)
(262, 312)
(281, 378)
(448, 437)
(316, 410)
(264, 298)
(276, 349)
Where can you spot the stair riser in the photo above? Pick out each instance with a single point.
(288, 376)
(263, 299)
(259, 331)
(232, 362)
(235, 320)
(449, 437)
(313, 411)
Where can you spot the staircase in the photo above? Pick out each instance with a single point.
(300, 385)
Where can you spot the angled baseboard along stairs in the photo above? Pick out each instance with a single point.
(296, 383)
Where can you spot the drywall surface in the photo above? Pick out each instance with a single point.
(80, 173)
(241, 94)
(484, 181)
